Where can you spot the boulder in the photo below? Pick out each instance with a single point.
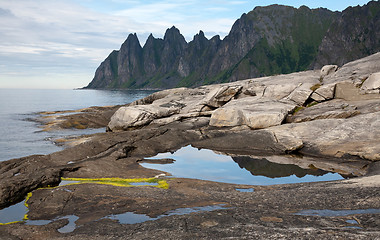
(254, 89)
(221, 95)
(301, 93)
(316, 97)
(140, 115)
(328, 69)
(255, 114)
(323, 93)
(372, 84)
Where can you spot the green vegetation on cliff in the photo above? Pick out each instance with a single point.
(266, 41)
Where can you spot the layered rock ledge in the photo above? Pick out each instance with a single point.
(325, 119)
(333, 112)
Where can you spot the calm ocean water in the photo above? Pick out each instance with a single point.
(20, 137)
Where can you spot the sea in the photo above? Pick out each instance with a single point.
(21, 136)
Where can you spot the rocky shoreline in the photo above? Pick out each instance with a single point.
(326, 119)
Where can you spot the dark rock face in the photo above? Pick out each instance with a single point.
(268, 40)
(263, 167)
(354, 35)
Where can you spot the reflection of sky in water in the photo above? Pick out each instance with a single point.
(13, 213)
(132, 218)
(207, 165)
(18, 212)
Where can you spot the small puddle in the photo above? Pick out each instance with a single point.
(245, 189)
(337, 213)
(18, 213)
(207, 165)
(354, 224)
(351, 221)
(132, 218)
(71, 226)
(14, 213)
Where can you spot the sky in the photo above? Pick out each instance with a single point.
(58, 44)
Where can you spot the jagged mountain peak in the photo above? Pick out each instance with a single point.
(131, 41)
(173, 33)
(268, 40)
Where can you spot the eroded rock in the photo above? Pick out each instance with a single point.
(256, 114)
(139, 115)
(372, 84)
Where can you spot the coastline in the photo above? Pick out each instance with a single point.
(212, 117)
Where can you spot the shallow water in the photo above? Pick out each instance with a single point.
(13, 213)
(132, 218)
(207, 165)
(245, 189)
(18, 213)
(21, 137)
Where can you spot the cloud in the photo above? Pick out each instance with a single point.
(59, 37)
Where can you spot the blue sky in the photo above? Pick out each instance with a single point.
(60, 43)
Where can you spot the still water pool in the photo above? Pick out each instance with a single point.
(207, 165)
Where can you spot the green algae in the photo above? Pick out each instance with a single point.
(120, 182)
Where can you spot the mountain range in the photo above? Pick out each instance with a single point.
(266, 41)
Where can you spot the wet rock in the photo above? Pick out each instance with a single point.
(172, 119)
(19, 177)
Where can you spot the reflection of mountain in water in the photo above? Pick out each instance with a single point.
(263, 167)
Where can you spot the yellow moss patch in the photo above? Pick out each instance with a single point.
(315, 87)
(120, 182)
(312, 104)
(73, 124)
(297, 109)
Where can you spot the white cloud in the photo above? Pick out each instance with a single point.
(59, 37)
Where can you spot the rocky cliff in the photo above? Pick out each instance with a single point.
(354, 35)
(266, 41)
